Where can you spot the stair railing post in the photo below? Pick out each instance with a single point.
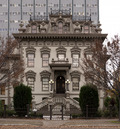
(5, 111)
(28, 109)
(62, 112)
(50, 112)
(86, 111)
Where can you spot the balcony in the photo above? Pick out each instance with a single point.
(60, 64)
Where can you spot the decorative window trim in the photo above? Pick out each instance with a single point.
(45, 50)
(88, 51)
(30, 74)
(47, 84)
(45, 60)
(75, 74)
(30, 50)
(45, 74)
(75, 60)
(75, 50)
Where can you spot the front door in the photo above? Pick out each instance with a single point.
(60, 85)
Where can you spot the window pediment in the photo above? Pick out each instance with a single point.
(75, 74)
(61, 49)
(88, 51)
(45, 50)
(45, 74)
(75, 50)
(30, 74)
(30, 50)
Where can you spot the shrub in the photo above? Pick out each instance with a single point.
(89, 96)
(111, 107)
(22, 97)
(74, 116)
(10, 113)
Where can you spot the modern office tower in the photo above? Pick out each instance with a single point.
(13, 11)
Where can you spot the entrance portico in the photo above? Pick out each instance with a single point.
(60, 70)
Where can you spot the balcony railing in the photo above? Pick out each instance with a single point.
(81, 18)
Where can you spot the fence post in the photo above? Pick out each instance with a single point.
(62, 112)
(50, 112)
(28, 110)
(4, 115)
(86, 111)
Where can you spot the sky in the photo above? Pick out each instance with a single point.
(110, 17)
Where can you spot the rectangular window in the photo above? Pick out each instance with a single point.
(30, 83)
(61, 57)
(75, 84)
(45, 60)
(75, 62)
(30, 60)
(2, 91)
(45, 84)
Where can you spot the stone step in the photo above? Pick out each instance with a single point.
(56, 117)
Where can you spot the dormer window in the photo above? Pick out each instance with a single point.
(34, 29)
(86, 29)
(60, 27)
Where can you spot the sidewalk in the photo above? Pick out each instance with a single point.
(39, 123)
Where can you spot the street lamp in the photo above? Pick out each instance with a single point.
(67, 83)
(51, 82)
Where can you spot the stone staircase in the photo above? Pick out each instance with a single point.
(70, 106)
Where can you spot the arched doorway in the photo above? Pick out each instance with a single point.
(60, 85)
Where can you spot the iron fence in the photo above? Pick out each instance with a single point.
(59, 112)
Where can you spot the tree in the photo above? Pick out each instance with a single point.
(11, 65)
(22, 97)
(89, 97)
(102, 68)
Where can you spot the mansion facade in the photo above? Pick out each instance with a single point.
(52, 52)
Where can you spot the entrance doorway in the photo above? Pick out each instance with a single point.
(60, 85)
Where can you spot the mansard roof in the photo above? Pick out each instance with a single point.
(60, 25)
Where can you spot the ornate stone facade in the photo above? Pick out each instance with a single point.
(53, 50)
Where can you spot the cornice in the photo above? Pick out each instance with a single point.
(58, 36)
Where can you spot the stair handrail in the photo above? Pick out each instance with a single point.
(43, 103)
(74, 102)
